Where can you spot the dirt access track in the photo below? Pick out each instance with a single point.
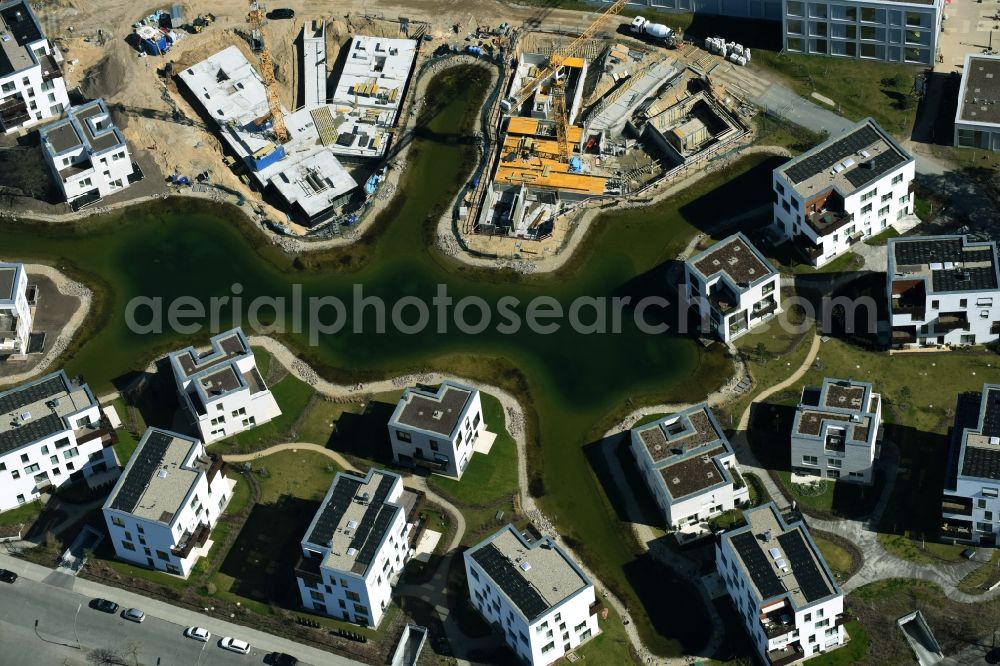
(93, 35)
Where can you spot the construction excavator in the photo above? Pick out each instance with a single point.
(257, 19)
(557, 84)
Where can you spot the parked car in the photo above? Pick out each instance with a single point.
(281, 13)
(134, 614)
(280, 659)
(104, 605)
(234, 645)
(198, 634)
(7, 576)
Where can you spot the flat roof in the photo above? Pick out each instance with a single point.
(979, 96)
(686, 449)
(375, 72)
(314, 62)
(159, 476)
(224, 348)
(216, 372)
(842, 403)
(19, 29)
(8, 280)
(737, 259)
(979, 452)
(535, 576)
(354, 519)
(846, 163)
(780, 559)
(88, 125)
(40, 408)
(945, 263)
(437, 411)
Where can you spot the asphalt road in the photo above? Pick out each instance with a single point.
(42, 624)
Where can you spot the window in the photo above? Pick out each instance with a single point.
(20, 499)
(127, 545)
(14, 474)
(62, 443)
(353, 596)
(810, 460)
(317, 596)
(897, 179)
(795, 8)
(886, 197)
(8, 87)
(987, 515)
(71, 453)
(833, 473)
(991, 492)
(3, 467)
(128, 536)
(868, 195)
(56, 471)
(822, 623)
(834, 462)
(70, 466)
(807, 617)
(24, 457)
(115, 520)
(45, 450)
(905, 199)
(984, 302)
(548, 647)
(867, 208)
(31, 469)
(163, 556)
(981, 504)
(54, 460)
(403, 436)
(817, 11)
(913, 18)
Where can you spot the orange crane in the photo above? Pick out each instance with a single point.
(256, 18)
(556, 61)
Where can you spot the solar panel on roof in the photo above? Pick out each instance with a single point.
(145, 462)
(977, 278)
(382, 522)
(368, 522)
(31, 431)
(874, 168)
(991, 419)
(757, 565)
(16, 398)
(811, 581)
(331, 514)
(832, 154)
(511, 581)
(913, 253)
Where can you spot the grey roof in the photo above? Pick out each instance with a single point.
(8, 280)
(18, 30)
(979, 452)
(437, 412)
(979, 99)
(736, 258)
(88, 124)
(38, 409)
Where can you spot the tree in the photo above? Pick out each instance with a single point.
(761, 350)
(104, 657)
(905, 394)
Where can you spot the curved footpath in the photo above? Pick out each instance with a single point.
(514, 414)
(67, 287)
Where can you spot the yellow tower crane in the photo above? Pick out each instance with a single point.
(256, 18)
(556, 61)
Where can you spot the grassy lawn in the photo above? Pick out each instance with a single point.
(826, 498)
(26, 514)
(851, 653)
(125, 446)
(840, 560)
(881, 239)
(304, 474)
(320, 419)
(292, 395)
(611, 646)
(771, 132)
(859, 88)
(490, 481)
(758, 493)
(983, 578)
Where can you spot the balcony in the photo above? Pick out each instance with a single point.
(50, 68)
(14, 112)
(961, 506)
(951, 321)
(810, 250)
(430, 463)
(101, 431)
(763, 310)
(217, 465)
(308, 570)
(827, 221)
(905, 335)
(956, 530)
(786, 655)
(190, 541)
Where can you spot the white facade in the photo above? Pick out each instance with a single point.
(689, 466)
(163, 508)
(222, 389)
(355, 547)
(733, 286)
(32, 88)
(52, 431)
(835, 431)
(15, 312)
(87, 153)
(970, 510)
(977, 119)
(781, 586)
(532, 593)
(943, 290)
(375, 74)
(852, 186)
(437, 429)
(888, 31)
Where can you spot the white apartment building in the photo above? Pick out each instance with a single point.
(163, 508)
(845, 189)
(884, 30)
(375, 74)
(943, 290)
(689, 466)
(32, 87)
(52, 432)
(87, 153)
(533, 593)
(977, 118)
(970, 508)
(781, 586)
(354, 548)
(222, 389)
(437, 429)
(733, 287)
(15, 311)
(835, 431)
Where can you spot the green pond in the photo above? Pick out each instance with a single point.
(575, 383)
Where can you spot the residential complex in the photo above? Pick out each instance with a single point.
(221, 389)
(52, 431)
(437, 429)
(532, 592)
(845, 189)
(688, 464)
(163, 508)
(15, 310)
(32, 88)
(781, 586)
(87, 153)
(977, 119)
(733, 287)
(943, 290)
(355, 546)
(970, 510)
(835, 431)
(376, 70)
